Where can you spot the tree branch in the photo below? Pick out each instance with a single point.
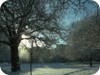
(4, 6)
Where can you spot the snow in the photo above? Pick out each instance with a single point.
(49, 69)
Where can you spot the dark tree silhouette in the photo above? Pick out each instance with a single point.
(19, 17)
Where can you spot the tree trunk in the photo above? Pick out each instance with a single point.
(15, 65)
(91, 64)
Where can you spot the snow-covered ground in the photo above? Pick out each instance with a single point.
(51, 69)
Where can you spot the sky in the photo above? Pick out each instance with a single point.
(71, 16)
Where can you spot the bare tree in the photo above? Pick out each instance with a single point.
(25, 17)
(18, 17)
(84, 37)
